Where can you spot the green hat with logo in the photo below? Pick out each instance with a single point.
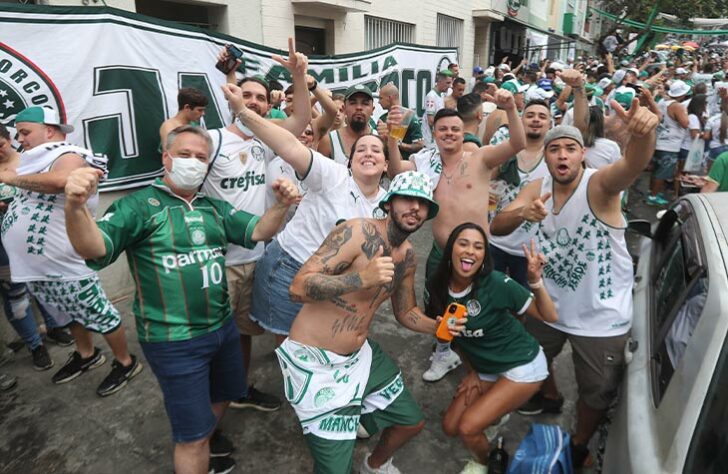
(489, 80)
(514, 87)
(413, 184)
(44, 115)
(358, 89)
(624, 95)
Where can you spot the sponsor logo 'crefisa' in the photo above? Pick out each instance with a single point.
(23, 84)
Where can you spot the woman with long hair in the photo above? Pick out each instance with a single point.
(696, 122)
(506, 364)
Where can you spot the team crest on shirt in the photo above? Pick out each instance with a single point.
(257, 152)
(153, 202)
(378, 213)
(243, 155)
(198, 237)
(473, 307)
(323, 396)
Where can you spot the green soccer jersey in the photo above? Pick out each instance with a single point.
(494, 341)
(176, 254)
(471, 138)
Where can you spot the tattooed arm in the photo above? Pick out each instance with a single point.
(322, 277)
(50, 182)
(404, 302)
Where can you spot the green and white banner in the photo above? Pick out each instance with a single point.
(114, 75)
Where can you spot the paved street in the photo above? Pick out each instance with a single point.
(69, 429)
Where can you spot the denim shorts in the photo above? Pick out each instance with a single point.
(194, 374)
(664, 164)
(272, 307)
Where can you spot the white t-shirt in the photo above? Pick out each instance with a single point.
(488, 108)
(693, 124)
(278, 168)
(237, 175)
(332, 197)
(713, 125)
(603, 153)
(434, 101)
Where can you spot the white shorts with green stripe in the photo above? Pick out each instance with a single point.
(82, 301)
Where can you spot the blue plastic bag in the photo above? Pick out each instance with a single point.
(546, 449)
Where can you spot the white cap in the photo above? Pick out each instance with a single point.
(681, 71)
(604, 83)
(618, 76)
(678, 89)
(504, 67)
(557, 66)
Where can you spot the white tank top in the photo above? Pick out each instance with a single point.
(34, 227)
(512, 242)
(337, 149)
(589, 271)
(669, 133)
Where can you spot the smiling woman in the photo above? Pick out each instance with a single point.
(506, 364)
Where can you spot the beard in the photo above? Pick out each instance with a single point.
(567, 179)
(358, 125)
(534, 135)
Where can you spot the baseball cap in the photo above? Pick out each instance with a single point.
(358, 89)
(624, 95)
(514, 87)
(446, 72)
(594, 90)
(618, 76)
(604, 82)
(677, 89)
(681, 71)
(557, 66)
(478, 70)
(563, 131)
(489, 80)
(44, 115)
(504, 67)
(414, 184)
(545, 84)
(538, 93)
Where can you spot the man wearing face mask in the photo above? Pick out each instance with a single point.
(41, 256)
(175, 240)
(238, 175)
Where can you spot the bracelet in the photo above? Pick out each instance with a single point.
(537, 285)
(314, 86)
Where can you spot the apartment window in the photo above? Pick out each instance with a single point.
(200, 15)
(449, 31)
(381, 32)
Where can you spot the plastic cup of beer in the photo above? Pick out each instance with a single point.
(497, 188)
(399, 131)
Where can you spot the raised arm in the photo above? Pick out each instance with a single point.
(279, 139)
(575, 80)
(527, 206)
(82, 231)
(495, 155)
(297, 65)
(271, 221)
(324, 275)
(615, 178)
(396, 164)
(49, 182)
(323, 122)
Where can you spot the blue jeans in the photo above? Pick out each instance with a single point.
(194, 374)
(18, 310)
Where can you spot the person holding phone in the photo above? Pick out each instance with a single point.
(506, 365)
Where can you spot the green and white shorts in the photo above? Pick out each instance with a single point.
(82, 301)
(332, 394)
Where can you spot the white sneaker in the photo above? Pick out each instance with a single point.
(386, 468)
(361, 432)
(492, 431)
(473, 467)
(442, 363)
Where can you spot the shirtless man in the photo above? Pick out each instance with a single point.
(462, 184)
(192, 104)
(334, 377)
(358, 108)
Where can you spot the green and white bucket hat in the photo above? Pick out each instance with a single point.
(413, 184)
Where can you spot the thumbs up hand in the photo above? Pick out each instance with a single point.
(536, 211)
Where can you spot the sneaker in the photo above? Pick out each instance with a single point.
(492, 431)
(59, 336)
(119, 376)
(539, 404)
(221, 465)
(474, 467)
(442, 363)
(258, 400)
(41, 359)
(76, 365)
(220, 446)
(386, 468)
(657, 201)
(7, 382)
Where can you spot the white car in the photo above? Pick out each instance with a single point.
(672, 416)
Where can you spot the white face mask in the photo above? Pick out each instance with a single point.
(187, 173)
(241, 126)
